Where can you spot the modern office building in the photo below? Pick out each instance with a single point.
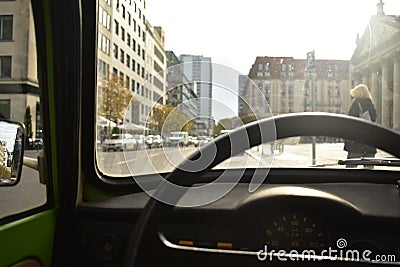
(19, 86)
(198, 69)
(180, 90)
(288, 87)
(376, 63)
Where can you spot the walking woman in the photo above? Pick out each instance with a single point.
(363, 107)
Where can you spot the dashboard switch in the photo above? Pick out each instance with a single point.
(187, 243)
(224, 245)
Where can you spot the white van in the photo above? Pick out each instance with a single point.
(178, 139)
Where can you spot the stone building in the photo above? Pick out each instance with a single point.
(19, 86)
(287, 87)
(376, 63)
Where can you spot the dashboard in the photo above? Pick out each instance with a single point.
(340, 214)
(315, 217)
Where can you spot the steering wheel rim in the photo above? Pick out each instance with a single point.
(287, 125)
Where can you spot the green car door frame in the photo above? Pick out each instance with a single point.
(43, 234)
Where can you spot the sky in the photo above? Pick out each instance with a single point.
(234, 33)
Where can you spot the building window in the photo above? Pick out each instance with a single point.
(134, 25)
(115, 51)
(5, 66)
(128, 39)
(104, 18)
(142, 72)
(129, 18)
(260, 66)
(133, 83)
(158, 54)
(127, 81)
(139, 30)
(116, 27)
(266, 66)
(122, 56)
(143, 54)
(103, 68)
(5, 108)
(6, 27)
(138, 69)
(133, 65)
(123, 33)
(103, 44)
(123, 11)
(134, 44)
(128, 61)
(117, 5)
(108, 22)
(121, 77)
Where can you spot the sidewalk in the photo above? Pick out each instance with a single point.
(300, 155)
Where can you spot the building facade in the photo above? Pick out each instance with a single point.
(19, 86)
(376, 63)
(198, 69)
(180, 90)
(287, 87)
(132, 49)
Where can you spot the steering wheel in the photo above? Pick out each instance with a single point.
(145, 244)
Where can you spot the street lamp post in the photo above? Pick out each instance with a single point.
(314, 108)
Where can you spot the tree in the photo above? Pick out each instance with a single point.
(115, 98)
(223, 124)
(28, 122)
(168, 119)
(248, 118)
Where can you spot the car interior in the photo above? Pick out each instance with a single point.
(199, 212)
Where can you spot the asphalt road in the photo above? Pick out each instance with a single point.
(157, 160)
(27, 194)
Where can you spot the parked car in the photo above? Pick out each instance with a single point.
(178, 139)
(36, 143)
(154, 141)
(157, 141)
(204, 140)
(119, 142)
(149, 141)
(195, 141)
(140, 141)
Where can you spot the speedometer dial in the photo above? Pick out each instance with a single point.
(298, 232)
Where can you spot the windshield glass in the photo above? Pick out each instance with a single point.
(191, 71)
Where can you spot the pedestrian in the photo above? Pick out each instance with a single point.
(362, 107)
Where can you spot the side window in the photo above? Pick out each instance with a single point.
(20, 101)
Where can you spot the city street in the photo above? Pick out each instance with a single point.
(159, 160)
(29, 193)
(156, 160)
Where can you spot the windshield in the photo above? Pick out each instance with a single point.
(191, 71)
